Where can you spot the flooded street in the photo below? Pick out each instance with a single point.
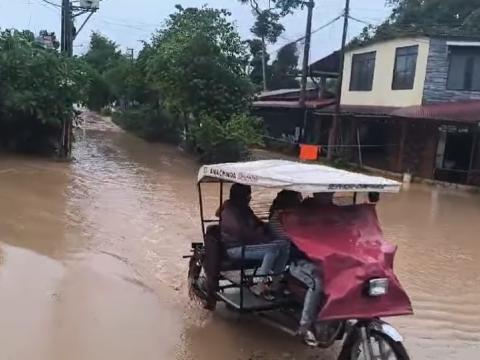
(91, 267)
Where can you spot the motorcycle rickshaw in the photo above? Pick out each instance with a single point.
(346, 242)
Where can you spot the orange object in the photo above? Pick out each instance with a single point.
(308, 152)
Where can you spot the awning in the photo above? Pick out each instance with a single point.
(328, 65)
(310, 104)
(297, 176)
(360, 110)
(458, 111)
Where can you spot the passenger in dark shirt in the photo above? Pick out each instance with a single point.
(240, 228)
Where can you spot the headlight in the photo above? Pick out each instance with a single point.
(378, 287)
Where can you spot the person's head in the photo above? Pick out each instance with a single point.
(373, 197)
(323, 198)
(240, 194)
(286, 199)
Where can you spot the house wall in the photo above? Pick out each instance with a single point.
(382, 93)
(435, 89)
(419, 149)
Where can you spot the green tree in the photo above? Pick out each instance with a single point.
(284, 68)
(198, 64)
(267, 26)
(99, 93)
(38, 88)
(255, 62)
(228, 141)
(436, 17)
(114, 77)
(103, 54)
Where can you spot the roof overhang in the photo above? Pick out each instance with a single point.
(309, 104)
(458, 111)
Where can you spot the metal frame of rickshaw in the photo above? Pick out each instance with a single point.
(357, 332)
(213, 221)
(204, 222)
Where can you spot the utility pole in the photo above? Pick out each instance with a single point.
(332, 136)
(68, 35)
(264, 64)
(67, 49)
(306, 53)
(67, 26)
(305, 69)
(130, 54)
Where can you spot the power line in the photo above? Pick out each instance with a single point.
(300, 39)
(51, 3)
(327, 24)
(360, 21)
(126, 26)
(49, 8)
(131, 21)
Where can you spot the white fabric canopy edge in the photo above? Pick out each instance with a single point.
(291, 175)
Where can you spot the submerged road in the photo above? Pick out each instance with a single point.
(91, 267)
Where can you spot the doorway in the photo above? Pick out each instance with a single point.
(454, 151)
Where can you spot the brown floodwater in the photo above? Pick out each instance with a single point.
(91, 267)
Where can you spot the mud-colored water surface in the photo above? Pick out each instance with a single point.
(91, 267)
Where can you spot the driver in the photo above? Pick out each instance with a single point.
(240, 227)
(309, 274)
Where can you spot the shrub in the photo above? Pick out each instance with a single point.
(225, 142)
(37, 90)
(149, 123)
(106, 111)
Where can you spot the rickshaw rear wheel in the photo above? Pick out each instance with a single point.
(352, 349)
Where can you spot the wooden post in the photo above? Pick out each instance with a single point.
(401, 148)
(332, 138)
(264, 64)
(306, 54)
(360, 159)
(472, 155)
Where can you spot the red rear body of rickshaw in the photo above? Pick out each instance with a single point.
(347, 244)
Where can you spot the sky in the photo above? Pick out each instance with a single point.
(128, 22)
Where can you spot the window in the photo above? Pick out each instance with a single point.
(464, 71)
(405, 67)
(363, 67)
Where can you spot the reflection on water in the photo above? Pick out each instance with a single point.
(91, 268)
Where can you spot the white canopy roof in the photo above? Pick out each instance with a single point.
(302, 177)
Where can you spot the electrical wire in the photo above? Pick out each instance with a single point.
(360, 21)
(138, 29)
(131, 22)
(300, 39)
(325, 25)
(52, 3)
(49, 7)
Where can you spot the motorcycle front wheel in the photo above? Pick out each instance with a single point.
(377, 346)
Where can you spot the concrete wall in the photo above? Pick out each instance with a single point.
(382, 93)
(437, 75)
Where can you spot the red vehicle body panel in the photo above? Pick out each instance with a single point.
(348, 245)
